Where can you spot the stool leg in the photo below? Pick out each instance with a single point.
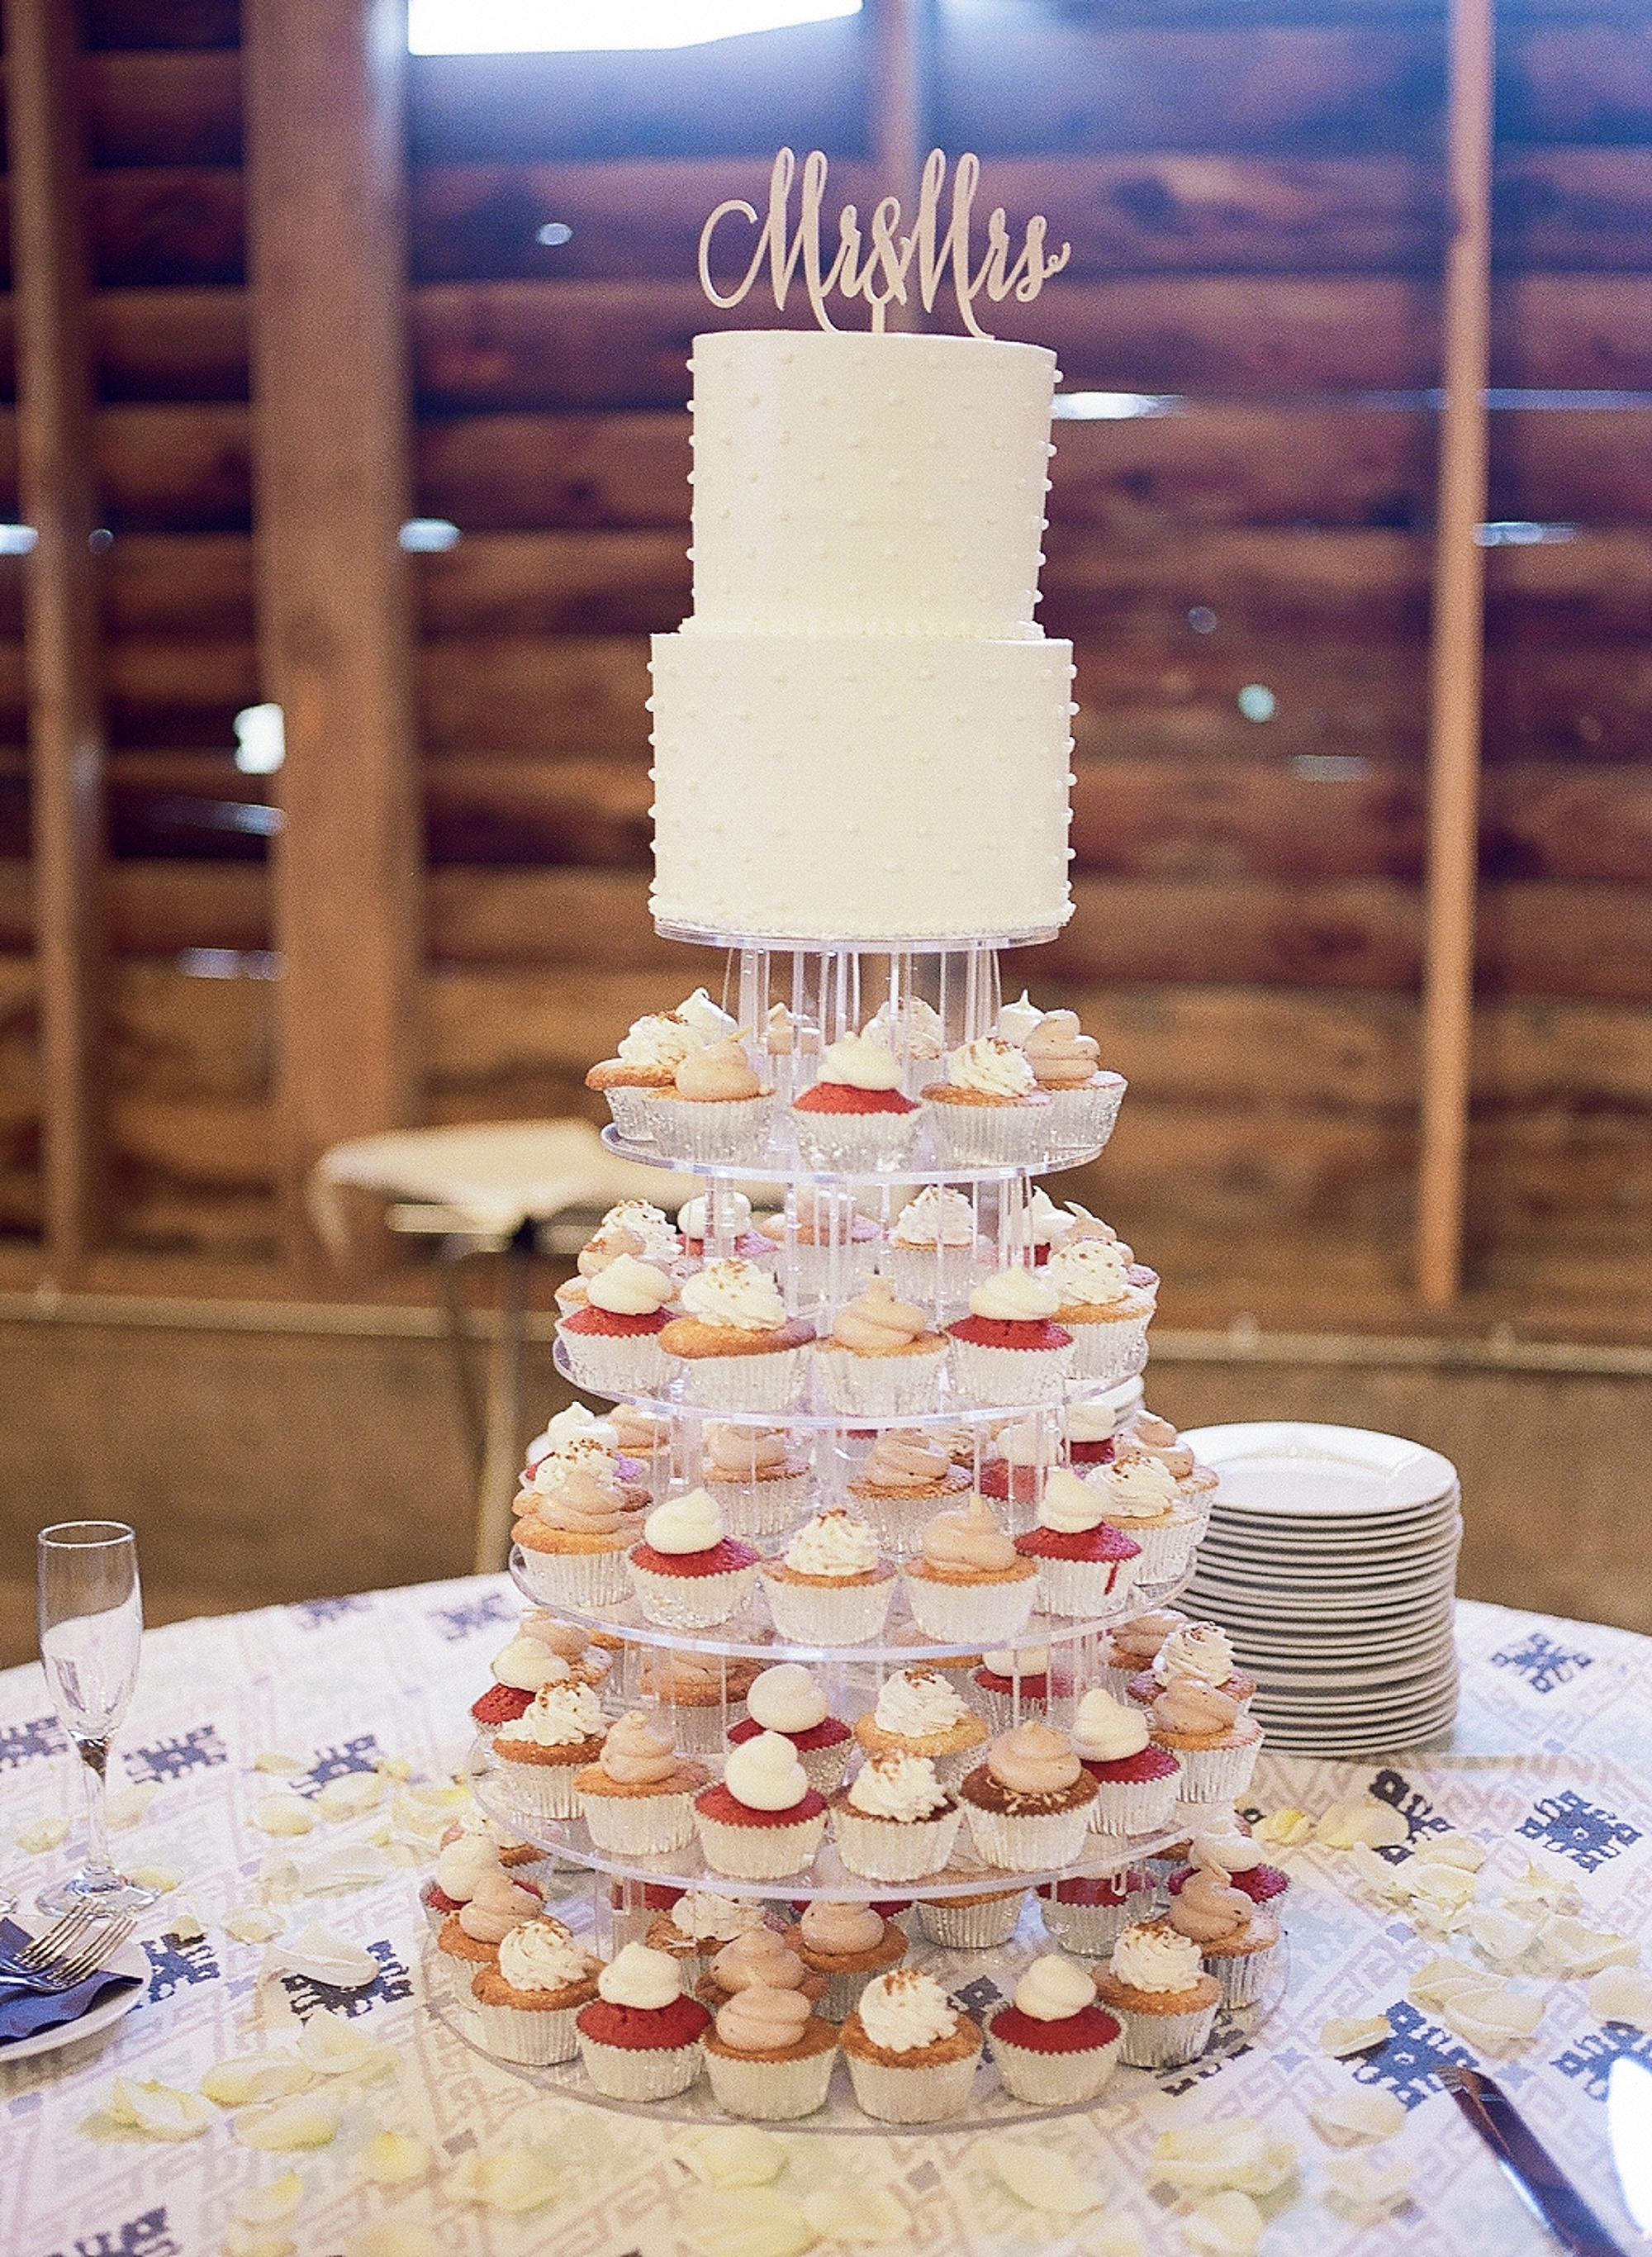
(502, 1462)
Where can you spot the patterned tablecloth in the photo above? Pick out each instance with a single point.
(1550, 1756)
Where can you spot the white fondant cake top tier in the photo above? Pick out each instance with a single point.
(848, 484)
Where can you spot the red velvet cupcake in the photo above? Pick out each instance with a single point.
(1085, 1566)
(1087, 1914)
(639, 2037)
(787, 1700)
(1008, 1349)
(686, 1573)
(1054, 2044)
(612, 1344)
(1136, 1781)
(855, 1118)
(765, 1821)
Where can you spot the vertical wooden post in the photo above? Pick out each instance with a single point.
(326, 242)
(63, 636)
(1457, 664)
(898, 123)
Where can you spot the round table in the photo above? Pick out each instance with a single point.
(1556, 1722)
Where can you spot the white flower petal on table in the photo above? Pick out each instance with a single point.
(1498, 2019)
(251, 1924)
(352, 1796)
(1543, 1887)
(41, 1834)
(514, 2180)
(1442, 1888)
(1356, 2115)
(1502, 1937)
(159, 2110)
(347, 1866)
(271, 2204)
(320, 1956)
(1451, 1850)
(1441, 1979)
(185, 1925)
(162, 1878)
(1226, 2225)
(1284, 1829)
(862, 2217)
(127, 1805)
(1621, 1994)
(1361, 1818)
(738, 2156)
(744, 2222)
(391, 2159)
(282, 1814)
(1346, 2034)
(393, 2237)
(332, 2045)
(253, 2077)
(1238, 2152)
(1042, 2177)
(1387, 1882)
(1365, 2188)
(395, 1767)
(275, 1765)
(288, 2126)
(256, 2241)
(1572, 1949)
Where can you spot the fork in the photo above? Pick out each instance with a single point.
(45, 1949)
(68, 1969)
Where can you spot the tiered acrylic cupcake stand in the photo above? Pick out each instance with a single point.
(613, 1900)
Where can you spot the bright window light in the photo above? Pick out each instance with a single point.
(16, 540)
(1112, 407)
(505, 27)
(260, 739)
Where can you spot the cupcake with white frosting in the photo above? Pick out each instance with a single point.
(542, 1753)
(714, 1109)
(990, 1110)
(769, 2056)
(787, 1700)
(881, 1359)
(465, 1862)
(831, 1587)
(765, 1821)
(1106, 1301)
(549, 1653)
(1129, 1647)
(526, 2002)
(686, 1573)
(470, 1937)
(1086, 1567)
(1139, 1497)
(726, 1216)
(968, 1584)
(918, 1712)
(914, 1033)
(1014, 1683)
(1092, 1428)
(613, 1342)
(1155, 1984)
(1052, 2045)
(855, 1119)
(894, 1821)
(1024, 1451)
(758, 1475)
(698, 1926)
(646, 1060)
(1010, 1348)
(1028, 1804)
(1084, 1098)
(639, 2037)
(738, 1349)
(637, 1797)
(935, 1253)
(848, 1944)
(1137, 1783)
(1195, 1649)
(912, 2054)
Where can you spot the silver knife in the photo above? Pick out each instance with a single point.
(1539, 2178)
(1629, 2128)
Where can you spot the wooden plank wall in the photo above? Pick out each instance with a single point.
(1255, 200)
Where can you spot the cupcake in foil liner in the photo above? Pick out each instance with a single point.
(1163, 2040)
(1028, 1844)
(880, 1386)
(1016, 1377)
(979, 1613)
(856, 1144)
(977, 1923)
(1052, 2080)
(924, 2095)
(633, 1363)
(1009, 1135)
(715, 1132)
(690, 1601)
(583, 1581)
(531, 2039)
(767, 2091)
(1111, 1349)
(760, 1853)
(768, 1379)
(880, 1850)
(640, 2073)
(1081, 1120)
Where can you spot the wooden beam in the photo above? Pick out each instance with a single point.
(62, 649)
(1457, 666)
(326, 238)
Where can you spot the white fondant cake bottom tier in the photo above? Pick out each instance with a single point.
(861, 788)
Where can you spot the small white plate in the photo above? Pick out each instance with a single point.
(1287, 1469)
(128, 1960)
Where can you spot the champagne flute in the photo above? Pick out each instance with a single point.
(91, 1630)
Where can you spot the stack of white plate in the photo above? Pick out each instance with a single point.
(1331, 1561)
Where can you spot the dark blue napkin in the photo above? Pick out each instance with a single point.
(24, 2012)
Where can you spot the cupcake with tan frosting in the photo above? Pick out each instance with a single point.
(848, 1944)
(645, 1438)
(527, 2001)
(700, 1694)
(768, 2056)
(1053, 2045)
(982, 1921)
(881, 1359)
(990, 1110)
(715, 1107)
(1106, 1300)
(899, 1481)
(1156, 1985)
(613, 1342)
(832, 1586)
(1238, 1939)
(763, 1958)
(787, 1700)
(919, 1714)
(1129, 1647)
(686, 1573)
(1195, 1649)
(1011, 1349)
(894, 1821)
(765, 1821)
(758, 1475)
(855, 1119)
(1214, 1741)
(912, 2054)
(969, 1585)
(637, 1797)
(1137, 1496)
(471, 1938)
(1196, 1484)
(738, 1349)
(1085, 1097)
(1028, 1804)
(821, 1241)
(574, 1539)
(1086, 1567)
(936, 1251)
(698, 1926)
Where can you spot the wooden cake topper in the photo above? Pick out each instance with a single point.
(890, 257)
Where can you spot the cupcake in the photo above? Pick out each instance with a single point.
(698, 1926)
(1016, 1683)
(989, 1111)
(1028, 1804)
(913, 1032)
(934, 1254)
(1155, 1985)
(1215, 1744)
(911, 2052)
(709, 1020)
(639, 2037)
(635, 1227)
(1037, 1227)
(646, 1061)
(880, 1359)
(788, 1042)
(981, 1922)
(1137, 1496)
(576, 1438)
(637, 1797)
(613, 1342)
(1091, 1427)
(765, 1821)
(855, 1121)
(919, 1714)
(968, 1584)
(740, 1350)
(1237, 1939)
(901, 1479)
(528, 1662)
(1089, 1913)
(894, 1821)
(686, 1573)
(1024, 1452)
(1129, 1647)
(1137, 1784)
(821, 1244)
(574, 1540)
(1053, 2045)
(768, 2056)
(1106, 1301)
(527, 2000)
(1084, 1098)
(847, 1943)
(1237, 1859)
(830, 1587)
(464, 1864)
(1085, 1564)
(727, 1215)
(543, 1752)
(701, 1695)
(1009, 1349)
(758, 1475)
(787, 1700)
(1195, 1649)
(471, 1938)
(714, 1108)
(645, 1438)
(1196, 1484)
(763, 1956)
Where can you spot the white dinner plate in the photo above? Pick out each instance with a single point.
(1289, 1469)
(128, 1960)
